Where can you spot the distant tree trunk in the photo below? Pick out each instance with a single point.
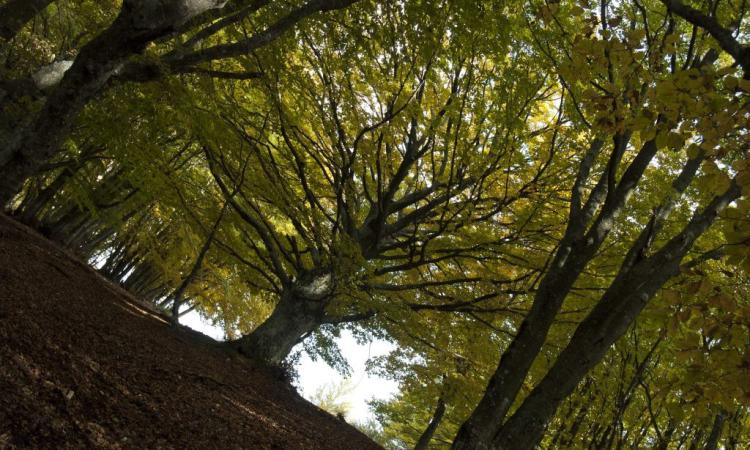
(29, 210)
(713, 438)
(570, 438)
(143, 280)
(683, 438)
(177, 302)
(34, 202)
(697, 438)
(437, 417)
(640, 436)
(666, 439)
(16, 13)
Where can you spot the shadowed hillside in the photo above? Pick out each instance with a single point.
(83, 365)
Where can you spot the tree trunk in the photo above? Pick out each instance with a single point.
(696, 439)
(637, 281)
(139, 22)
(666, 439)
(177, 302)
(570, 438)
(713, 438)
(300, 311)
(604, 325)
(28, 211)
(437, 416)
(293, 318)
(16, 13)
(478, 431)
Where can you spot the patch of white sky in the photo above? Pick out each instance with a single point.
(315, 375)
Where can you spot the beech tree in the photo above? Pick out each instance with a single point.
(65, 87)
(544, 210)
(16, 13)
(368, 182)
(671, 102)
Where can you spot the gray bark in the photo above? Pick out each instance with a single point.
(102, 59)
(300, 311)
(290, 321)
(139, 22)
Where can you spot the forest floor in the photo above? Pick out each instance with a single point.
(84, 365)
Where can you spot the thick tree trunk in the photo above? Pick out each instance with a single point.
(300, 311)
(139, 22)
(292, 319)
(16, 13)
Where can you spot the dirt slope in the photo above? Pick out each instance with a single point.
(83, 366)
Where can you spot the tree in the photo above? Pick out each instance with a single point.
(16, 13)
(67, 87)
(332, 397)
(659, 95)
(348, 203)
(562, 191)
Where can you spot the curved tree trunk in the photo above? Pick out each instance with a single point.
(290, 322)
(73, 85)
(16, 13)
(139, 22)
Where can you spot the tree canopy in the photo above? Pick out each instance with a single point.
(542, 204)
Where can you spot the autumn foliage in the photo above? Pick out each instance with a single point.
(543, 204)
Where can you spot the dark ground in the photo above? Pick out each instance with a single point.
(83, 365)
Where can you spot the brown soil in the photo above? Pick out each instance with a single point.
(84, 365)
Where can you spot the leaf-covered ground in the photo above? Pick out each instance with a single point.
(83, 365)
